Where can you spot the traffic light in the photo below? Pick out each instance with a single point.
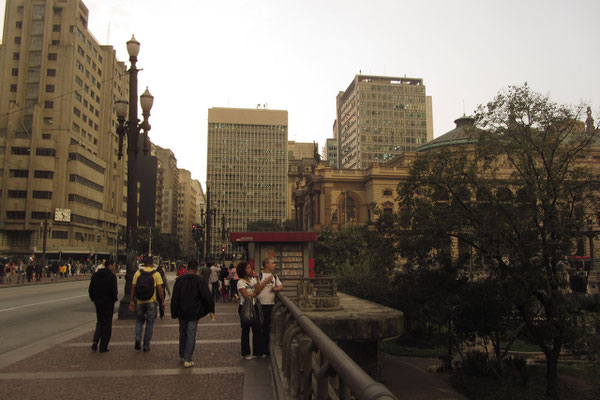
(222, 249)
(194, 228)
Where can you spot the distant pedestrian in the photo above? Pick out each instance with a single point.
(205, 272)
(181, 270)
(103, 292)
(29, 272)
(213, 279)
(191, 300)
(165, 287)
(147, 291)
(38, 271)
(233, 280)
(272, 284)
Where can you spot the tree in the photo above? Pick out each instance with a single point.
(516, 198)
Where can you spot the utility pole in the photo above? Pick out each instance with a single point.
(45, 230)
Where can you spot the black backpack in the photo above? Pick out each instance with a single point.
(144, 288)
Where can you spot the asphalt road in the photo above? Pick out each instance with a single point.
(32, 313)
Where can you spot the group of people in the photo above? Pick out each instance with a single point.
(191, 300)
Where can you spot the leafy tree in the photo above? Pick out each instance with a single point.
(516, 198)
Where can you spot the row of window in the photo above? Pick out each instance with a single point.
(22, 194)
(40, 151)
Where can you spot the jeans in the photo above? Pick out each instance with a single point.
(187, 338)
(104, 316)
(257, 343)
(145, 312)
(215, 290)
(266, 327)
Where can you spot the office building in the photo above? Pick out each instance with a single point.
(379, 118)
(247, 167)
(58, 142)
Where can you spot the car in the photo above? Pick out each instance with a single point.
(122, 271)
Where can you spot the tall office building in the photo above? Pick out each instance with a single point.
(379, 117)
(247, 167)
(58, 141)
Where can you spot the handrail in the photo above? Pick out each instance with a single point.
(359, 382)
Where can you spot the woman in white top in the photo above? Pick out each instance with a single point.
(248, 288)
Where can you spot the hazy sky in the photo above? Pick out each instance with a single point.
(296, 55)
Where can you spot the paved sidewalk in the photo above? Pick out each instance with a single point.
(46, 280)
(66, 368)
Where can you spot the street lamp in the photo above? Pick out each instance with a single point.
(132, 129)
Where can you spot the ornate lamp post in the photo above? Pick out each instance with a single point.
(132, 129)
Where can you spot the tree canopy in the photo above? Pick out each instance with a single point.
(517, 197)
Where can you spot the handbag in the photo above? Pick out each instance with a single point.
(252, 314)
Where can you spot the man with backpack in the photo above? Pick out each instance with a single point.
(190, 301)
(147, 291)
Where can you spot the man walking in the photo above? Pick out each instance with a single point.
(190, 301)
(270, 284)
(147, 290)
(103, 292)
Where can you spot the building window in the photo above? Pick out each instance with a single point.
(55, 42)
(20, 151)
(17, 39)
(48, 104)
(60, 234)
(39, 215)
(17, 194)
(43, 174)
(40, 151)
(15, 214)
(42, 194)
(19, 24)
(51, 72)
(47, 121)
(52, 56)
(49, 88)
(15, 72)
(13, 88)
(387, 192)
(46, 136)
(18, 173)
(16, 56)
(55, 28)
(76, 111)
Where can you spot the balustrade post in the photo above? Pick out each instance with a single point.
(323, 381)
(306, 354)
(294, 386)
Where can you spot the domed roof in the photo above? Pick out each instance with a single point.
(464, 133)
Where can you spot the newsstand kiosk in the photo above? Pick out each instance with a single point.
(291, 251)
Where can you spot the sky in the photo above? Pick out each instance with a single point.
(296, 55)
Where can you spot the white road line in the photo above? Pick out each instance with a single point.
(177, 326)
(159, 342)
(32, 376)
(43, 302)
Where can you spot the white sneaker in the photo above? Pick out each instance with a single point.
(248, 357)
(188, 364)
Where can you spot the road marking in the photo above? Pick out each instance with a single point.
(31, 376)
(177, 326)
(159, 342)
(44, 302)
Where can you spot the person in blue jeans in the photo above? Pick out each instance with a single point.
(190, 301)
(146, 308)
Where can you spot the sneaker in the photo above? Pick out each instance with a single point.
(188, 364)
(137, 345)
(248, 357)
(94, 346)
(146, 348)
(263, 356)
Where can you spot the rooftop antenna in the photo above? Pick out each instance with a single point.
(464, 114)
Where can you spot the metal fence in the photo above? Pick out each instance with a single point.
(312, 365)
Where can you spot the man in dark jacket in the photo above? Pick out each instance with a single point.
(190, 301)
(103, 292)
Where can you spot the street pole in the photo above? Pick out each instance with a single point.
(132, 129)
(44, 239)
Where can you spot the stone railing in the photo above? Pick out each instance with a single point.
(307, 364)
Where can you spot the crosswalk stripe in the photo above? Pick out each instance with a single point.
(121, 373)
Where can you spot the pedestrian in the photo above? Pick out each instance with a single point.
(213, 279)
(191, 300)
(248, 289)
(29, 272)
(103, 292)
(205, 272)
(9, 272)
(146, 291)
(181, 270)
(272, 284)
(165, 287)
(233, 280)
(38, 271)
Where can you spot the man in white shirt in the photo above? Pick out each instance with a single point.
(267, 297)
(213, 280)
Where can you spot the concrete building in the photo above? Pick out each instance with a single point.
(246, 167)
(379, 118)
(187, 212)
(58, 142)
(168, 182)
(330, 153)
(298, 150)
